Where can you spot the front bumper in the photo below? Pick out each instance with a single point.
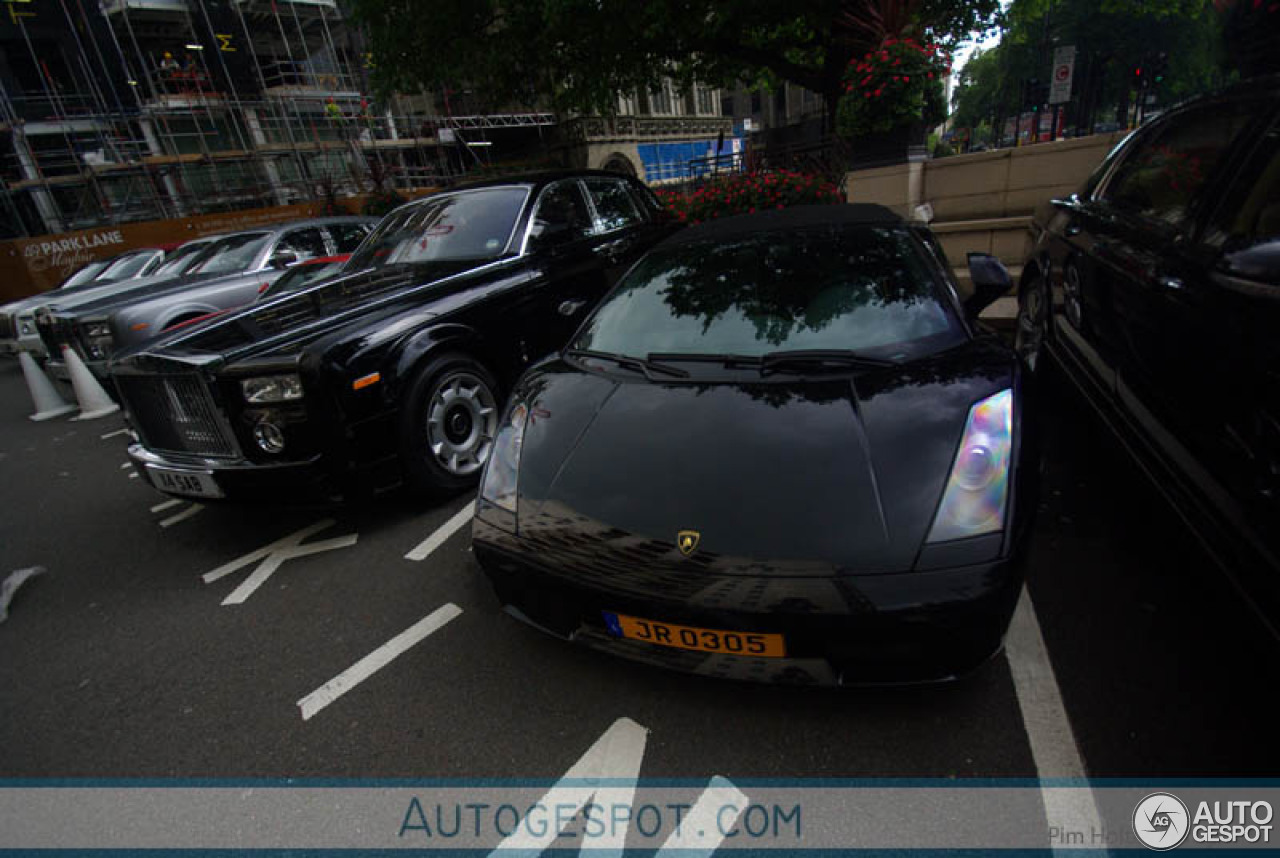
(238, 480)
(915, 627)
(310, 481)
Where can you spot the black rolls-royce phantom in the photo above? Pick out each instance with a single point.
(395, 371)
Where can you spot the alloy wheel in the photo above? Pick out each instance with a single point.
(462, 419)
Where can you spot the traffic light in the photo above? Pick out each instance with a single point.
(1159, 67)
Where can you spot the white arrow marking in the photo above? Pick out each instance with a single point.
(615, 756)
(376, 660)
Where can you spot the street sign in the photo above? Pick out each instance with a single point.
(1064, 62)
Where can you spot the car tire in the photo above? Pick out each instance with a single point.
(1032, 323)
(447, 425)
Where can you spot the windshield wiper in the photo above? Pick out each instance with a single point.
(727, 360)
(835, 358)
(648, 367)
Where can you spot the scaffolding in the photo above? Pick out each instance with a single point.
(130, 110)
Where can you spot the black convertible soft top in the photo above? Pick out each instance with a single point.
(794, 217)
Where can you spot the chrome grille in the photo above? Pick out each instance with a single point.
(175, 414)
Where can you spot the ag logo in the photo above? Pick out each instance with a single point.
(1160, 820)
(687, 541)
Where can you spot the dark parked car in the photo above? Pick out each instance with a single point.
(227, 272)
(18, 319)
(394, 371)
(780, 450)
(1156, 288)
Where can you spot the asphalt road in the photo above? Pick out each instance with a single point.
(121, 661)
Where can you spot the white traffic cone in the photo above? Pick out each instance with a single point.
(45, 396)
(94, 401)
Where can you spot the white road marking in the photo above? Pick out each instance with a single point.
(169, 504)
(442, 533)
(615, 756)
(1053, 744)
(704, 828)
(182, 516)
(134, 475)
(376, 660)
(126, 465)
(273, 556)
(114, 434)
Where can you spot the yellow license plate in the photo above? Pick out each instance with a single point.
(751, 644)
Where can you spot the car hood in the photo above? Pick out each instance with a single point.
(99, 299)
(799, 477)
(288, 323)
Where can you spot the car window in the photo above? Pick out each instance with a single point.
(347, 236)
(85, 274)
(1250, 212)
(128, 266)
(614, 207)
(180, 259)
(861, 288)
(1164, 175)
(230, 255)
(561, 215)
(466, 225)
(304, 243)
(300, 276)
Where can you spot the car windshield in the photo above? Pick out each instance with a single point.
(181, 258)
(128, 266)
(85, 274)
(468, 225)
(299, 276)
(230, 255)
(858, 289)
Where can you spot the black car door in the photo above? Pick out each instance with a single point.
(1158, 294)
(623, 232)
(1227, 361)
(572, 275)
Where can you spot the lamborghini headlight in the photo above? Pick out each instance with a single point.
(502, 473)
(978, 488)
(272, 388)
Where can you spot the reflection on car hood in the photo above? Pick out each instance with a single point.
(298, 317)
(803, 477)
(107, 295)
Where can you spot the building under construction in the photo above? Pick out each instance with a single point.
(114, 111)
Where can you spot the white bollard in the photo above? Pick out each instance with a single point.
(94, 401)
(45, 396)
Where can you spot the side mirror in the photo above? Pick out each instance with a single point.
(991, 280)
(283, 258)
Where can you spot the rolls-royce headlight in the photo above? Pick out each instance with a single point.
(502, 473)
(978, 490)
(272, 388)
(98, 340)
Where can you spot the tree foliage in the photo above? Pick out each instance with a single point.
(1111, 37)
(579, 54)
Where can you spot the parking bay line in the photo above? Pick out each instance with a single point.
(182, 516)
(442, 533)
(1053, 743)
(163, 505)
(376, 660)
(114, 434)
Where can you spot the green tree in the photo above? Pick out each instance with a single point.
(579, 54)
(1111, 38)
